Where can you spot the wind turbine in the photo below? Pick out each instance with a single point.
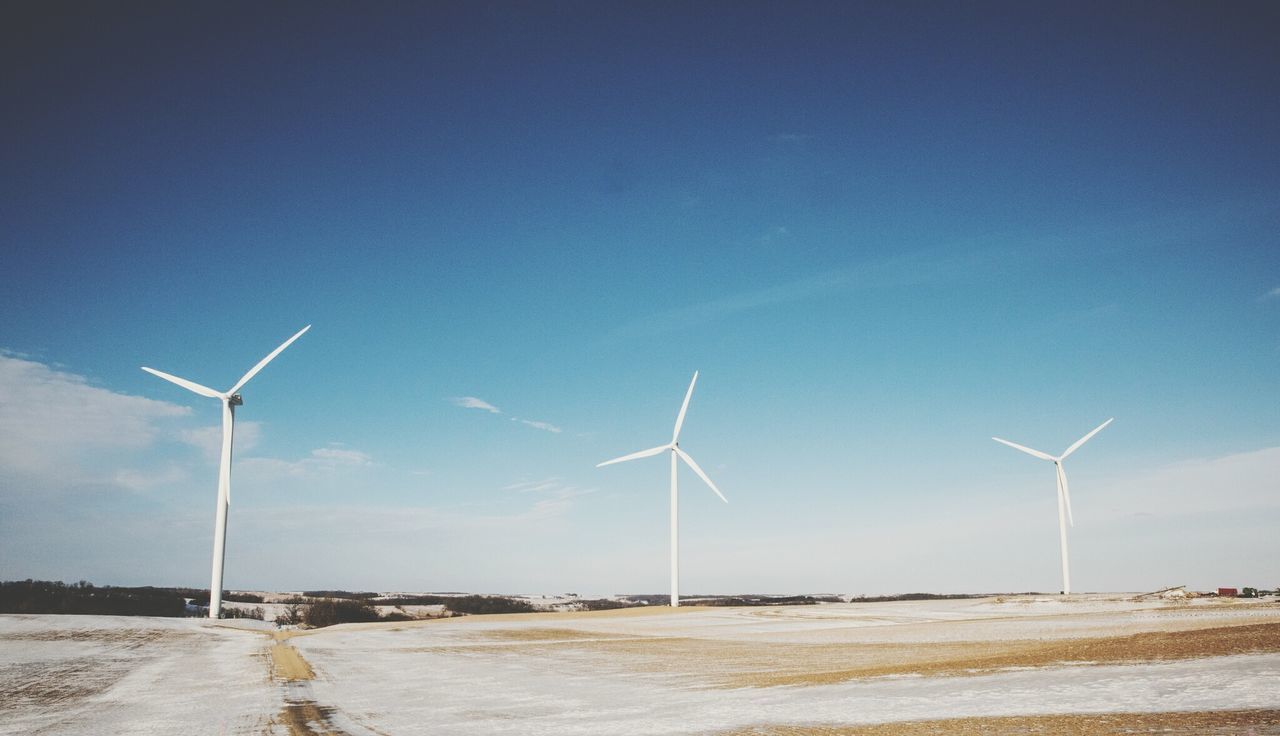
(676, 452)
(230, 400)
(1064, 494)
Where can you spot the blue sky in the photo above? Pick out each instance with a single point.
(883, 234)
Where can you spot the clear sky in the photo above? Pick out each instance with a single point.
(882, 232)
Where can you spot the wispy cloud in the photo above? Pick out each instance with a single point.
(544, 426)
(558, 503)
(144, 480)
(471, 402)
(339, 455)
(1273, 294)
(533, 486)
(556, 496)
(923, 267)
(209, 439)
(320, 461)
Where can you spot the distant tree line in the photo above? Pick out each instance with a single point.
(923, 597)
(42, 596)
(85, 598)
(318, 612)
(339, 594)
(605, 604)
(483, 604)
(415, 600)
(468, 604)
(731, 600)
(767, 600)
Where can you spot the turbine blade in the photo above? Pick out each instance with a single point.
(188, 385)
(262, 363)
(635, 455)
(1028, 450)
(1085, 438)
(1066, 492)
(689, 461)
(228, 434)
(684, 408)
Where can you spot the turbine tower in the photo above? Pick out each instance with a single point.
(1064, 494)
(674, 447)
(230, 400)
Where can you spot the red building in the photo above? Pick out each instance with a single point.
(1227, 592)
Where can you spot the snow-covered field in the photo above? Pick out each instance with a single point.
(127, 675)
(650, 671)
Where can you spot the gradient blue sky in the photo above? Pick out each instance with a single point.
(883, 233)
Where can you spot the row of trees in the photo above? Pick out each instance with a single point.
(42, 596)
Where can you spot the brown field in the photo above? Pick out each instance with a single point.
(1210, 723)
(764, 664)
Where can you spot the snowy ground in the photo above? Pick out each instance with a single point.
(132, 675)
(643, 671)
(591, 674)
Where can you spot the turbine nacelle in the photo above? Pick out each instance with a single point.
(235, 400)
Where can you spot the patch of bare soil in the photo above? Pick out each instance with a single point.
(51, 684)
(1205, 723)
(286, 662)
(764, 664)
(548, 635)
(119, 638)
(60, 682)
(977, 657)
(301, 715)
(306, 718)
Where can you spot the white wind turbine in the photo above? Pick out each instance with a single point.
(1064, 495)
(674, 447)
(230, 400)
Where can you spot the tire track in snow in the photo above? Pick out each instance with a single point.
(301, 714)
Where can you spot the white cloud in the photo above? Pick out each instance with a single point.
(51, 419)
(557, 496)
(1239, 481)
(144, 480)
(1273, 294)
(209, 439)
(544, 426)
(546, 484)
(320, 461)
(557, 504)
(340, 456)
(471, 402)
